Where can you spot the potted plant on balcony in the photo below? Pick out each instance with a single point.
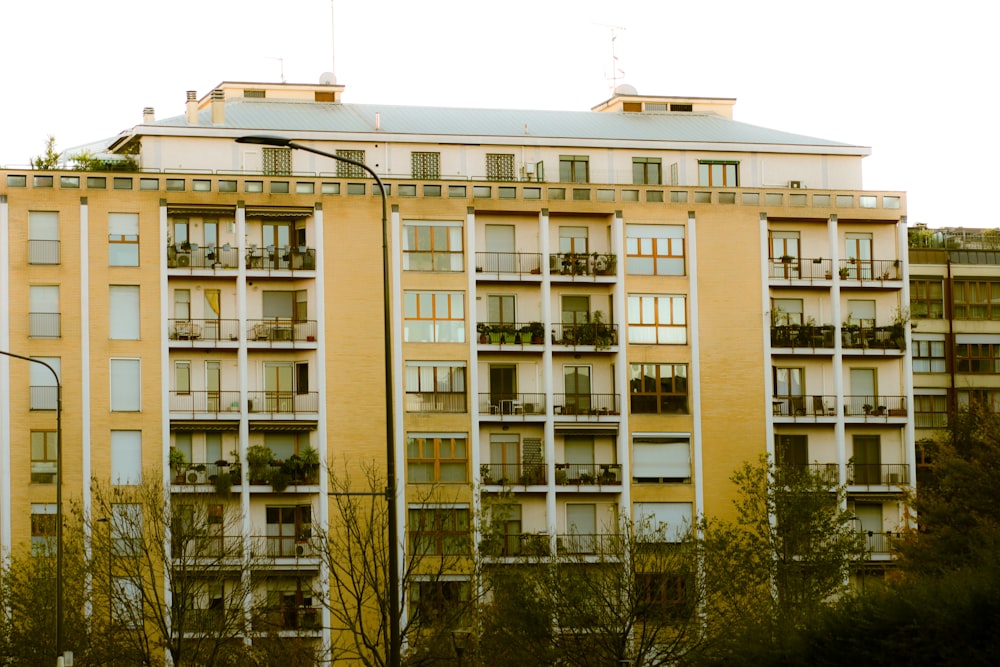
(224, 483)
(537, 330)
(177, 464)
(843, 271)
(309, 460)
(483, 330)
(867, 407)
(507, 333)
(259, 459)
(525, 334)
(786, 259)
(605, 264)
(485, 474)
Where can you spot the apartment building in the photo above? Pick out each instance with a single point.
(601, 313)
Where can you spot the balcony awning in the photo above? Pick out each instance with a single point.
(206, 425)
(204, 210)
(586, 428)
(283, 426)
(278, 212)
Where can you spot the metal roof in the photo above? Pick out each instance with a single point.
(301, 116)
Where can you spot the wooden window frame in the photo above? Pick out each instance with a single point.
(658, 396)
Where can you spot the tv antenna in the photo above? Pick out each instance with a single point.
(616, 72)
(281, 61)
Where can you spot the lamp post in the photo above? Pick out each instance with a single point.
(59, 521)
(390, 445)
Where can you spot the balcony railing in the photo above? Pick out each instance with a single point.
(881, 543)
(283, 546)
(193, 402)
(588, 473)
(298, 617)
(583, 264)
(510, 474)
(599, 334)
(44, 325)
(288, 402)
(288, 258)
(510, 333)
(278, 330)
(515, 405)
(870, 408)
(870, 269)
(197, 473)
(875, 407)
(589, 544)
(801, 268)
(878, 474)
(42, 397)
(803, 335)
(43, 252)
(193, 256)
(890, 337)
(516, 544)
(192, 330)
(427, 401)
(787, 473)
(209, 546)
(517, 263)
(587, 404)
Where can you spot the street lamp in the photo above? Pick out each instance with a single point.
(59, 521)
(390, 445)
(460, 642)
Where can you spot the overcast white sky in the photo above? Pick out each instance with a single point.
(913, 79)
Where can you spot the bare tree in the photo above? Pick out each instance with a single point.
(168, 575)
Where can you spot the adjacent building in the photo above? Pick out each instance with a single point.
(602, 313)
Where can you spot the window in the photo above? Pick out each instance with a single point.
(43, 529)
(124, 312)
(182, 304)
(435, 387)
(665, 522)
(791, 450)
(785, 312)
(647, 171)
(43, 315)
(126, 529)
(500, 167)
(43, 237)
(285, 445)
(44, 456)
(437, 457)
(425, 166)
(501, 309)
(657, 319)
(930, 411)
(989, 399)
(926, 298)
(126, 457)
(276, 161)
(976, 300)
(574, 169)
(182, 377)
(658, 388)
(123, 239)
(435, 246)
(287, 528)
(43, 386)
(348, 170)
(655, 250)
(661, 457)
(440, 531)
(715, 174)
(573, 240)
(789, 381)
(434, 317)
(664, 595)
(977, 357)
(126, 603)
(441, 602)
(126, 385)
(928, 356)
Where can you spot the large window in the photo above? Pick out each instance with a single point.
(434, 317)
(43, 237)
(126, 529)
(126, 385)
(928, 356)
(500, 167)
(441, 602)
(123, 239)
(435, 386)
(655, 250)
(657, 319)
(977, 357)
(432, 246)
(43, 315)
(439, 530)
(43, 529)
(44, 453)
(647, 171)
(789, 381)
(716, 174)
(926, 298)
(976, 300)
(574, 169)
(425, 166)
(288, 527)
(930, 411)
(126, 457)
(437, 457)
(665, 522)
(661, 457)
(348, 170)
(658, 388)
(123, 313)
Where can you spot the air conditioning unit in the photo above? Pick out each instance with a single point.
(252, 405)
(300, 550)
(184, 260)
(195, 477)
(795, 185)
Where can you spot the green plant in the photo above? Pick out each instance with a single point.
(223, 483)
(280, 479)
(177, 458)
(259, 459)
(49, 159)
(87, 160)
(537, 330)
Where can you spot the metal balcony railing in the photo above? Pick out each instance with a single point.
(588, 473)
(288, 258)
(281, 330)
(510, 333)
(283, 546)
(298, 617)
(602, 335)
(803, 336)
(44, 325)
(857, 337)
(878, 474)
(510, 474)
(589, 544)
(587, 404)
(43, 252)
(514, 405)
(517, 263)
(800, 268)
(288, 402)
(200, 473)
(515, 544)
(192, 402)
(583, 264)
(43, 397)
(870, 269)
(868, 408)
(209, 546)
(881, 543)
(194, 256)
(193, 330)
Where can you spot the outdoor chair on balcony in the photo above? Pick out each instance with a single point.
(187, 330)
(820, 408)
(797, 405)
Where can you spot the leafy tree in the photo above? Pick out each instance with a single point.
(786, 557)
(50, 158)
(87, 160)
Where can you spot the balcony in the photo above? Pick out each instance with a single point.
(277, 330)
(289, 258)
(822, 408)
(875, 408)
(188, 332)
(283, 402)
(290, 617)
(878, 474)
(515, 544)
(800, 270)
(572, 266)
(199, 473)
(597, 333)
(511, 334)
(508, 265)
(512, 474)
(284, 546)
(870, 270)
(195, 404)
(210, 547)
(583, 407)
(805, 337)
(890, 338)
(588, 474)
(589, 544)
(498, 405)
(193, 256)
(880, 546)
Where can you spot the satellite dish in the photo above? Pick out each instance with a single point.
(626, 89)
(327, 79)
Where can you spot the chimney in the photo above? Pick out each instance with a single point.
(191, 110)
(148, 115)
(218, 106)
